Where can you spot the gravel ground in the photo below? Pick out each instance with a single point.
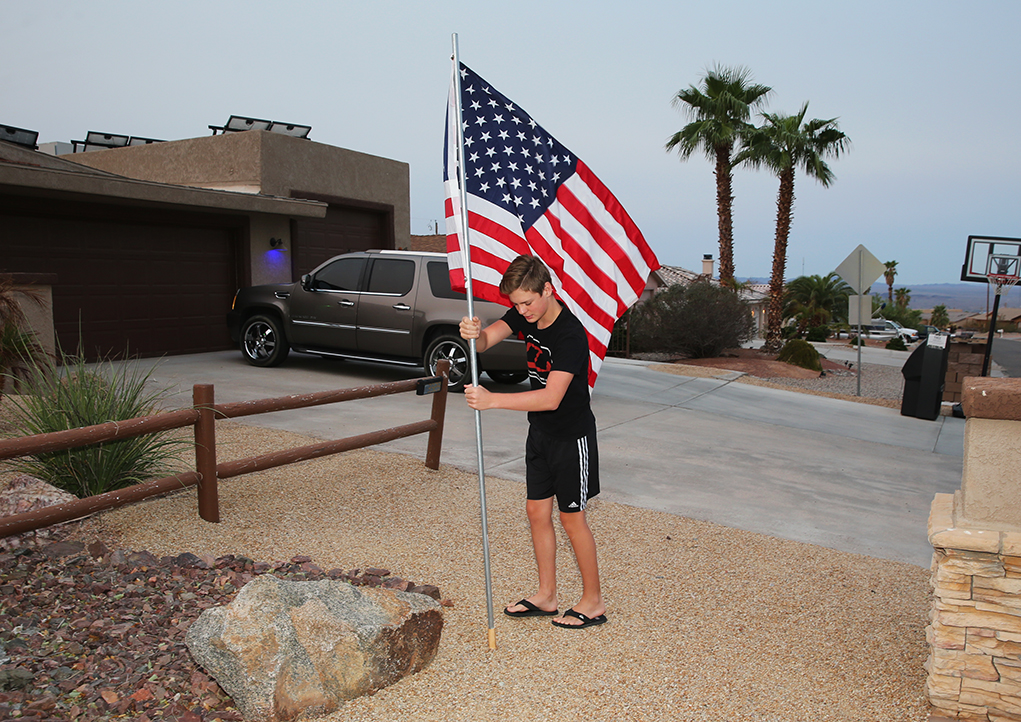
(706, 622)
(880, 385)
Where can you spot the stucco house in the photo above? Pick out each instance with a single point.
(141, 248)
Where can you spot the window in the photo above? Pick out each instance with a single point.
(439, 281)
(392, 276)
(341, 275)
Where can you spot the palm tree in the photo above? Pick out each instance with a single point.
(785, 143)
(903, 297)
(889, 274)
(940, 318)
(816, 300)
(720, 109)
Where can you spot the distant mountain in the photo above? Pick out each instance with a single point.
(963, 296)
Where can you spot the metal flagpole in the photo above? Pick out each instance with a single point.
(466, 254)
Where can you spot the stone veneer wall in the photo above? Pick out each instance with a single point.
(964, 359)
(974, 634)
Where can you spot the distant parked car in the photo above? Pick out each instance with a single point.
(391, 306)
(882, 329)
(908, 334)
(927, 331)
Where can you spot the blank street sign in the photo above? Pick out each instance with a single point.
(861, 269)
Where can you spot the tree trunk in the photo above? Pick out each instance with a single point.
(724, 205)
(784, 207)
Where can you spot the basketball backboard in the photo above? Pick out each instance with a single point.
(991, 255)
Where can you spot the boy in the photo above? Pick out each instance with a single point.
(560, 455)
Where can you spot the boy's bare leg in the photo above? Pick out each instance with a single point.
(591, 603)
(544, 542)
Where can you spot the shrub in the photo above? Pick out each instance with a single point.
(81, 394)
(800, 353)
(818, 334)
(858, 341)
(897, 344)
(699, 320)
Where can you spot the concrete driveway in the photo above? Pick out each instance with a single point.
(839, 474)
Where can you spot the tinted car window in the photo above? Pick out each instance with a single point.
(392, 275)
(439, 282)
(342, 275)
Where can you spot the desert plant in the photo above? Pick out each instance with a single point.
(896, 344)
(82, 394)
(818, 334)
(940, 318)
(17, 346)
(800, 353)
(699, 320)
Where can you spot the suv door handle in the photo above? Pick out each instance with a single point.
(402, 307)
(345, 302)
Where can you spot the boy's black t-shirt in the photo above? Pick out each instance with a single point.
(561, 346)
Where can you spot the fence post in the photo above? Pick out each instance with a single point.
(205, 452)
(432, 454)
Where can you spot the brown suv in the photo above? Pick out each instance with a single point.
(390, 306)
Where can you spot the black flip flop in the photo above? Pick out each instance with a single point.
(585, 621)
(530, 610)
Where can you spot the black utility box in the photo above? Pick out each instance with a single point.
(924, 374)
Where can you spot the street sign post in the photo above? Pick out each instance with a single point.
(860, 270)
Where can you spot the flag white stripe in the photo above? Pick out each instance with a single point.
(618, 233)
(577, 230)
(572, 267)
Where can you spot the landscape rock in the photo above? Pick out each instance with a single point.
(22, 493)
(285, 648)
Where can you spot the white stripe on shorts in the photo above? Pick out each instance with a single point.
(583, 471)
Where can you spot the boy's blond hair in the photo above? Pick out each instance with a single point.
(527, 273)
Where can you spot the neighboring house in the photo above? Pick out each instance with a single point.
(435, 243)
(755, 295)
(143, 247)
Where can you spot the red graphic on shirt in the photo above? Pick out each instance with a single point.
(540, 360)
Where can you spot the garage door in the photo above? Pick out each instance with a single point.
(142, 289)
(344, 229)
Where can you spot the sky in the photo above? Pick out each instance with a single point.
(927, 92)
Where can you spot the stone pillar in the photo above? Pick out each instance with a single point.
(974, 635)
(964, 359)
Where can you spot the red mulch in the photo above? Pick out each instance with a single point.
(90, 634)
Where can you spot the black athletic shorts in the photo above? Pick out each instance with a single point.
(567, 469)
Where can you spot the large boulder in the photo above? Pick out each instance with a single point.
(282, 648)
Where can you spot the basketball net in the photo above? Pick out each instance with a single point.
(1003, 282)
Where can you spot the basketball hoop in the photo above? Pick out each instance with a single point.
(1004, 282)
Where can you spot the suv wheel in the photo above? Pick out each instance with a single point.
(455, 350)
(262, 341)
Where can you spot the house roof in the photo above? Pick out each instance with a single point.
(676, 275)
(25, 172)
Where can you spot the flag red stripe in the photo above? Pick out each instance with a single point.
(577, 252)
(604, 240)
(615, 209)
(570, 286)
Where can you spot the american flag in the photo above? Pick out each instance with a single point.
(527, 193)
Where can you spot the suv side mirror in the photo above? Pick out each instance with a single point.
(306, 282)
